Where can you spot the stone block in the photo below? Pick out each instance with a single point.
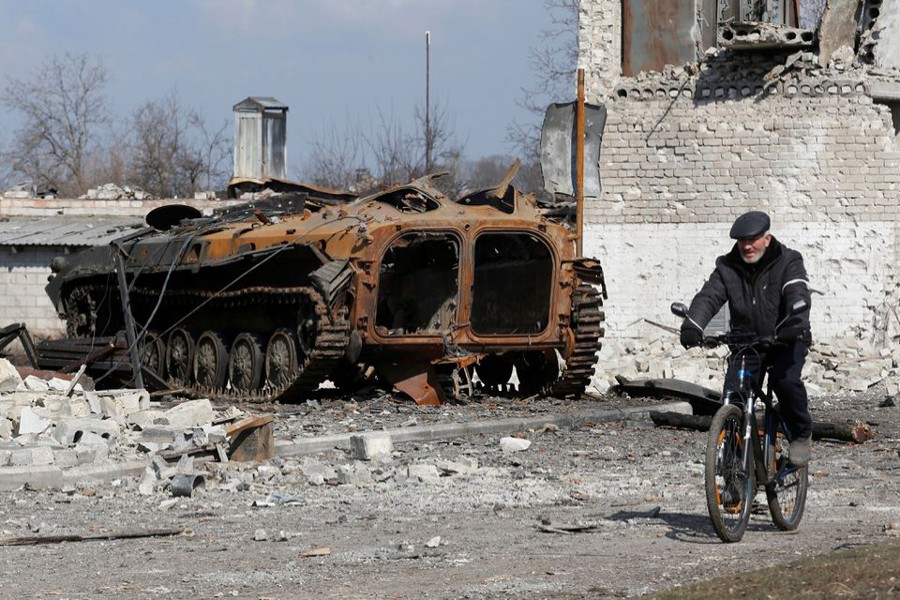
(65, 457)
(371, 446)
(89, 452)
(52, 407)
(58, 385)
(513, 444)
(32, 456)
(161, 434)
(5, 457)
(355, 474)
(423, 472)
(215, 434)
(144, 419)
(190, 414)
(122, 403)
(319, 474)
(9, 377)
(36, 384)
(72, 430)
(38, 478)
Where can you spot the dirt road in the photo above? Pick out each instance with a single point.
(455, 519)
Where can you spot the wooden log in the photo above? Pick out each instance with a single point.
(680, 420)
(846, 432)
(30, 540)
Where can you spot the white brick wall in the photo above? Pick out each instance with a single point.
(649, 267)
(686, 151)
(23, 276)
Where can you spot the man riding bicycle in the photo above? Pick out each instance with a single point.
(759, 278)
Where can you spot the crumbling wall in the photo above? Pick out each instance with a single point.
(687, 149)
(23, 276)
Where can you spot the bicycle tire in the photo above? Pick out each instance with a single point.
(786, 492)
(730, 488)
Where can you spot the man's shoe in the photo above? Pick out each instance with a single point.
(799, 451)
(731, 499)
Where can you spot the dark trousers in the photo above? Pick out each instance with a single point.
(785, 364)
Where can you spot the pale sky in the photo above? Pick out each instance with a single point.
(330, 61)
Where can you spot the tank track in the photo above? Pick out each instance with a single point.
(332, 335)
(588, 321)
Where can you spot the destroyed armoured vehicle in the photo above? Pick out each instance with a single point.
(265, 300)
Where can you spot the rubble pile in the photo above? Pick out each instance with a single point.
(842, 365)
(55, 423)
(111, 191)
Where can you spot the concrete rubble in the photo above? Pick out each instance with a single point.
(111, 191)
(847, 364)
(41, 428)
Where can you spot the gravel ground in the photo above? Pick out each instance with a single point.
(455, 519)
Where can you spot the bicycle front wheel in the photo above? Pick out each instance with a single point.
(730, 484)
(786, 490)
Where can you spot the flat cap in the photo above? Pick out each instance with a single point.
(750, 225)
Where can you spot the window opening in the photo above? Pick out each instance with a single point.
(512, 284)
(418, 285)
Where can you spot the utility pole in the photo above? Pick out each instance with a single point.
(579, 162)
(427, 103)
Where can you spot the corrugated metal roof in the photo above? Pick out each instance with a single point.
(260, 102)
(64, 231)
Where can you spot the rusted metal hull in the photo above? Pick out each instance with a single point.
(266, 300)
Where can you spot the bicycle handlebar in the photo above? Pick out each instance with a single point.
(742, 340)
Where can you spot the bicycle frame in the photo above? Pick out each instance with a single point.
(749, 390)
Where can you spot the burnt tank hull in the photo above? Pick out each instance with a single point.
(266, 300)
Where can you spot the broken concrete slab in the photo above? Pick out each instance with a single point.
(161, 434)
(190, 414)
(71, 431)
(371, 446)
(31, 422)
(120, 403)
(33, 456)
(756, 35)
(355, 474)
(514, 444)
(10, 380)
(36, 478)
(423, 472)
(36, 384)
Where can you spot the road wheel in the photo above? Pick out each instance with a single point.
(210, 361)
(245, 362)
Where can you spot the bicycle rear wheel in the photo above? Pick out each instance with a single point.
(730, 485)
(786, 492)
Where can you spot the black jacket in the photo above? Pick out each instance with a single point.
(758, 295)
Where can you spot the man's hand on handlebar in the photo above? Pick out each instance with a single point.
(690, 335)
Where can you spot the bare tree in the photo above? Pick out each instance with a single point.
(396, 155)
(64, 110)
(554, 63)
(336, 160)
(173, 153)
(214, 149)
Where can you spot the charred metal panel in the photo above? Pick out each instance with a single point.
(656, 33)
(558, 148)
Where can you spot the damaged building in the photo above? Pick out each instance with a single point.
(716, 108)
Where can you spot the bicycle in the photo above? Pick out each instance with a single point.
(740, 455)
